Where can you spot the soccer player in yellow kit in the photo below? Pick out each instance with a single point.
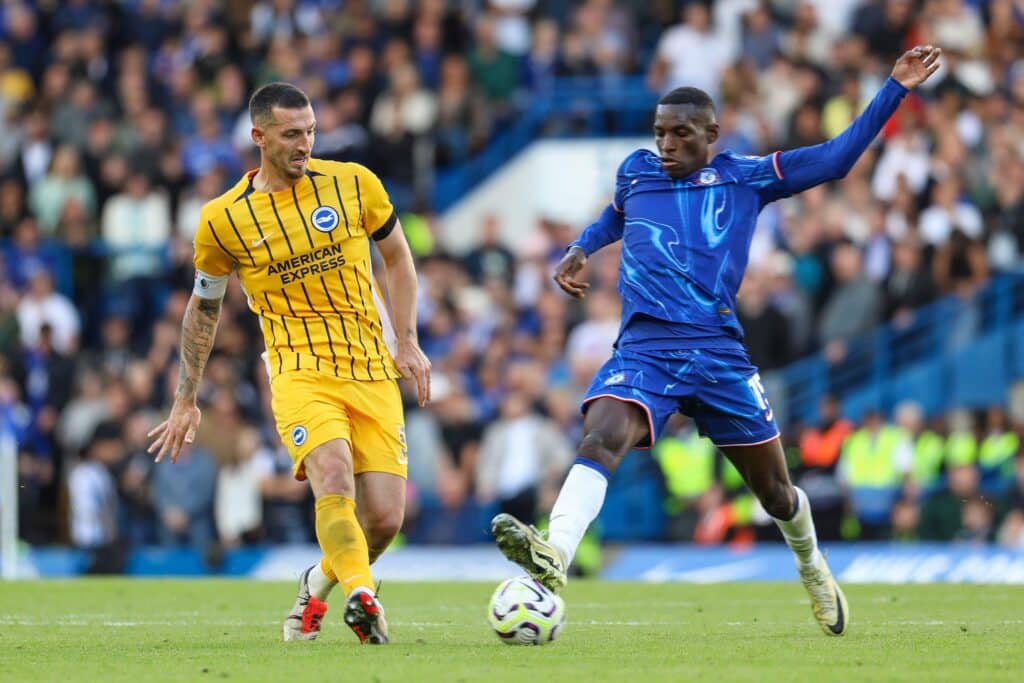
(297, 232)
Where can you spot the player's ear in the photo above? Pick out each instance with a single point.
(257, 136)
(711, 131)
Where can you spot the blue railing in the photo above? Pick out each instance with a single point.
(947, 354)
(571, 107)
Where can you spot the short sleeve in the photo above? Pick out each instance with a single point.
(378, 213)
(211, 257)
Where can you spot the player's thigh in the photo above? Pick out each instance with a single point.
(378, 428)
(309, 412)
(626, 401)
(621, 422)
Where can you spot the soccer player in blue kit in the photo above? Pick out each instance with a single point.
(686, 221)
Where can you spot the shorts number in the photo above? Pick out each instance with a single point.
(757, 389)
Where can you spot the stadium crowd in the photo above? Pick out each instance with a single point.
(120, 120)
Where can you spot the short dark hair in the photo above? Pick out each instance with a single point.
(275, 95)
(688, 95)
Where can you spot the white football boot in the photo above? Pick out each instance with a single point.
(827, 599)
(525, 546)
(303, 622)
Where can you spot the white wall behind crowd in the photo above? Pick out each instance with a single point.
(564, 180)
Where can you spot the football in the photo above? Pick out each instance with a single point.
(523, 612)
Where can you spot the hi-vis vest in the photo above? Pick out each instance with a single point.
(688, 464)
(997, 449)
(961, 449)
(870, 460)
(929, 449)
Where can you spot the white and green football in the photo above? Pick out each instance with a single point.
(523, 612)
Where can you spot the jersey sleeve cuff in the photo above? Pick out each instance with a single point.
(385, 230)
(210, 286)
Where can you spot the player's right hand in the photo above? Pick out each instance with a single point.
(177, 430)
(567, 270)
(412, 362)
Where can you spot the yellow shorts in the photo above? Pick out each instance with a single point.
(311, 408)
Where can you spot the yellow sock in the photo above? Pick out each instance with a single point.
(343, 543)
(325, 567)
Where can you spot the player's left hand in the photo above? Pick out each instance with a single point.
(412, 362)
(915, 65)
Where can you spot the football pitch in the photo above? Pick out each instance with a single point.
(212, 630)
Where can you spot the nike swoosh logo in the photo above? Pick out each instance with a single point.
(840, 625)
(263, 239)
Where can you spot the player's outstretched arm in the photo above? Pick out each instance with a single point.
(806, 167)
(401, 281)
(198, 329)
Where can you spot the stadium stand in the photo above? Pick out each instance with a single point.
(898, 289)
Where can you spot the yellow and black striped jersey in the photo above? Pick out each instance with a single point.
(303, 259)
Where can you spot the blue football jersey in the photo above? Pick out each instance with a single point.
(685, 241)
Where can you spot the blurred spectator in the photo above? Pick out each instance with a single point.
(909, 284)
(64, 182)
(590, 343)
(674, 65)
(463, 115)
(92, 499)
(183, 498)
(237, 503)
(943, 514)
(816, 473)
(1011, 531)
(493, 68)
(41, 306)
(136, 227)
(765, 329)
(872, 466)
(855, 305)
(285, 511)
(490, 258)
(522, 460)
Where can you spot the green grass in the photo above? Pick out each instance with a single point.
(210, 630)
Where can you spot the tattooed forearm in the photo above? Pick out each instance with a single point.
(197, 333)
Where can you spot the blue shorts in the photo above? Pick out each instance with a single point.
(718, 388)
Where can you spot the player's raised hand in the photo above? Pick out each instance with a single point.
(177, 430)
(412, 362)
(915, 65)
(567, 270)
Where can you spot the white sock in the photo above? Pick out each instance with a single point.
(319, 585)
(578, 503)
(799, 531)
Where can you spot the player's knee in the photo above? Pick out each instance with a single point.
(330, 474)
(778, 499)
(604, 448)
